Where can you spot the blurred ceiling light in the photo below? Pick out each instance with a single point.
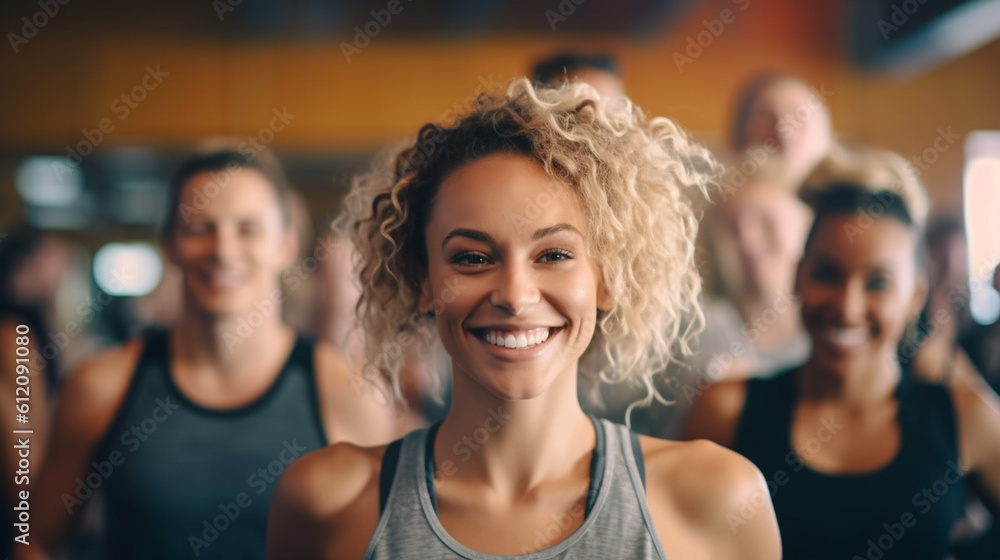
(982, 202)
(48, 181)
(127, 269)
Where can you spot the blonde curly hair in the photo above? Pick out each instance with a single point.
(638, 179)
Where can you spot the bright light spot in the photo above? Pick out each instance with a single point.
(982, 199)
(48, 181)
(127, 269)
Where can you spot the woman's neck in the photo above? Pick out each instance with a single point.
(857, 387)
(227, 344)
(513, 446)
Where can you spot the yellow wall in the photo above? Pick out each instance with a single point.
(64, 81)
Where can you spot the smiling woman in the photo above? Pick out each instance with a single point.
(850, 424)
(541, 231)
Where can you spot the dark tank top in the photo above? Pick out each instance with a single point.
(904, 510)
(192, 482)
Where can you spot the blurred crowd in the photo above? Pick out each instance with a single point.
(813, 247)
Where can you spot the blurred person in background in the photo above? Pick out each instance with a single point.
(338, 293)
(934, 344)
(755, 236)
(787, 119)
(855, 450)
(31, 266)
(781, 131)
(525, 304)
(600, 71)
(983, 344)
(186, 430)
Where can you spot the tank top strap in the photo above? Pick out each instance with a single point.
(928, 412)
(767, 414)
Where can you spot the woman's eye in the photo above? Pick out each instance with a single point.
(877, 283)
(469, 259)
(196, 229)
(826, 274)
(555, 256)
(249, 229)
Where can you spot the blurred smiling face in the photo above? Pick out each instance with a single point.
(233, 247)
(758, 235)
(514, 288)
(858, 288)
(791, 114)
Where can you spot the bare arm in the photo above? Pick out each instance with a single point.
(978, 412)
(325, 505)
(716, 414)
(709, 503)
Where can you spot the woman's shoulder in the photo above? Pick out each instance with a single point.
(713, 492)
(326, 504)
(702, 475)
(331, 479)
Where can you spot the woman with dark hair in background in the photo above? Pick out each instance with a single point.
(856, 452)
(185, 431)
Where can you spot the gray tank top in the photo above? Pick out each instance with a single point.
(617, 521)
(184, 481)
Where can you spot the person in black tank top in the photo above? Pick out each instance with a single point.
(861, 460)
(185, 432)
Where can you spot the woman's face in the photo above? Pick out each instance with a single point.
(514, 290)
(231, 247)
(858, 287)
(792, 115)
(758, 234)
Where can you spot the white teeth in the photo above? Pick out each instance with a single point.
(847, 337)
(518, 340)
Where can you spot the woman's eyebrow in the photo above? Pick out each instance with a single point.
(467, 233)
(552, 230)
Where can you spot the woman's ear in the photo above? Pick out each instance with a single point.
(425, 303)
(289, 248)
(919, 299)
(796, 287)
(604, 299)
(166, 243)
